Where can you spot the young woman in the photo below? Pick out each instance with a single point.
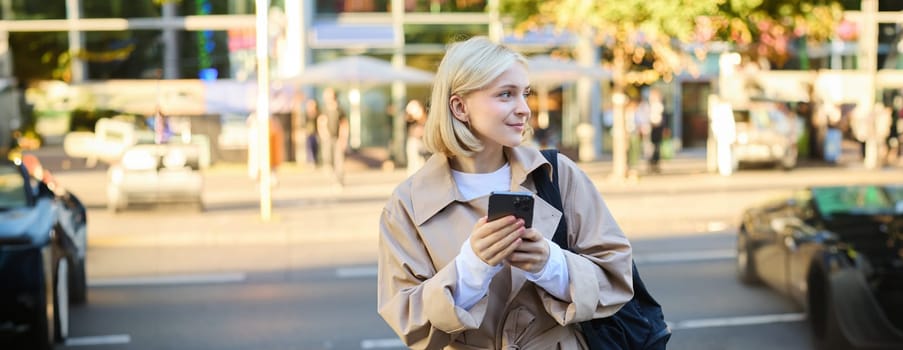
(448, 279)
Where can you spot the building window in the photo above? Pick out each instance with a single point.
(442, 33)
(436, 6)
(348, 6)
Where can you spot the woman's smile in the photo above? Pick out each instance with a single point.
(518, 126)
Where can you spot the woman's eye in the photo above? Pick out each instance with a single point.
(506, 94)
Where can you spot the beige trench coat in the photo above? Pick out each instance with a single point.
(426, 221)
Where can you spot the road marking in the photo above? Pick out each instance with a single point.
(99, 340)
(738, 321)
(716, 226)
(382, 343)
(688, 256)
(354, 272)
(236, 277)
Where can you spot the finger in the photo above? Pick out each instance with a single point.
(484, 228)
(506, 240)
(527, 262)
(519, 257)
(532, 235)
(507, 251)
(489, 246)
(492, 234)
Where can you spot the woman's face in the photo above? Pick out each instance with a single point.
(498, 113)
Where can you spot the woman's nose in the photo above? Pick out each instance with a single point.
(523, 109)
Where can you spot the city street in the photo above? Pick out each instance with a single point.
(173, 278)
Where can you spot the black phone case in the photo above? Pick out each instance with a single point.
(519, 204)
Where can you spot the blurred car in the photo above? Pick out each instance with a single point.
(836, 251)
(765, 134)
(43, 245)
(156, 173)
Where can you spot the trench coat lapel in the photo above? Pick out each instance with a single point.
(433, 188)
(524, 161)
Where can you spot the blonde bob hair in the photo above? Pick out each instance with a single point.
(468, 66)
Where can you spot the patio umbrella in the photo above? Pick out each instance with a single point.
(546, 71)
(356, 72)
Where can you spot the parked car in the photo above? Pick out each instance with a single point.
(156, 173)
(43, 243)
(836, 251)
(765, 133)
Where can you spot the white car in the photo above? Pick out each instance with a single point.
(766, 134)
(156, 173)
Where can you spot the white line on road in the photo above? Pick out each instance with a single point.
(382, 343)
(353, 272)
(738, 321)
(99, 340)
(236, 277)
(688, 256)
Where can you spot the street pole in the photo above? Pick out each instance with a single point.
(263, 109)
(869, 50)
(76, 41)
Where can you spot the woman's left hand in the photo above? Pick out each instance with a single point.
(532, 254)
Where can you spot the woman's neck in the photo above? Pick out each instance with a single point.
(486, 161)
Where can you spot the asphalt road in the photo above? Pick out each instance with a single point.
(171, 278)
(335, 308)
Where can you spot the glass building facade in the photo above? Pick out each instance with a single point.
(407, 32)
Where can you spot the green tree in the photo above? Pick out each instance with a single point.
(643, 41)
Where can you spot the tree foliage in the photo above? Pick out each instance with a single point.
(645, 41)
(651, 35)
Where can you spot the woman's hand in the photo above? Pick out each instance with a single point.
(532, 254)
(494, 241)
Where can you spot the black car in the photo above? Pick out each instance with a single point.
(836, 251)
(42, 258)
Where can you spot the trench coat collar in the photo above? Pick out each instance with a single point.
(434, 188)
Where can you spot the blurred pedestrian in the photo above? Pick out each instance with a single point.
(312, 138)
(725, 131)
(277, 148)
(892, 143)
(333, 129)
(636, 120)
(656, 112)
(159, 123)
(415, 151)
(275, 143)
(448, 278)
(834, 134)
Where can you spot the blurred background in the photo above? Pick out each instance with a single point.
(198, 138)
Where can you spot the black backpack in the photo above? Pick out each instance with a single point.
(639, 324)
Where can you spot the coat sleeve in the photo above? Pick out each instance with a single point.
(600, 259)
(414, 298)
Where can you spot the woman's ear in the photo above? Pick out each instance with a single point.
(458, 108)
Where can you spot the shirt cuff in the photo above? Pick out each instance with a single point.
(474, 276)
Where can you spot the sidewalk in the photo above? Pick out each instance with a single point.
(308, 205)
(316, 223)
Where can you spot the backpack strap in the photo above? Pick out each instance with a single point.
(639, 324)
(548, 190)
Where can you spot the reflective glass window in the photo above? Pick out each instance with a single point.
(30, 9)
(437, 6)
(343, 6)
(441, 33)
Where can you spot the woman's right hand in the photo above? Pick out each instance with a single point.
(494, 241)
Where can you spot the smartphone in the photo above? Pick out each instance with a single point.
(504, 203)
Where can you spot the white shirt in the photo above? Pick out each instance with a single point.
(474, 275)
